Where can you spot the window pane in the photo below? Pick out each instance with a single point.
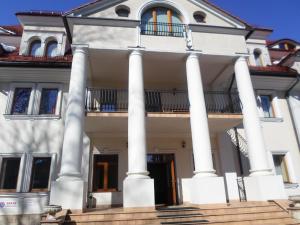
(21, 101)
(35, 48)
(48, 101)
(266, 105)
(40, 173)
(52, 49)
(9, 173)
(105, 176)
(280, 167)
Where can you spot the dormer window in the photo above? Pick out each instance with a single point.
(162, 21)
(35, 48)
(51, 50)
(257, 57)
(287, 46)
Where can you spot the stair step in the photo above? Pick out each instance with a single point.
(179, 215)
(153, 215)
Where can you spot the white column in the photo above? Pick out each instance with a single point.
(73, 136)
(137, 152)
(199, 122)
(256, 146)
(205, 187)
(138, 188)
(70, 189)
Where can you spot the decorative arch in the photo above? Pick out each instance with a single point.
(163, 3)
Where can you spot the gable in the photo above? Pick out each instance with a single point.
(107, 9)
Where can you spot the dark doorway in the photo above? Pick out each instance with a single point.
(162, 170)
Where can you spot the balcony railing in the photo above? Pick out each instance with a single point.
(163, 29)
(113, 100)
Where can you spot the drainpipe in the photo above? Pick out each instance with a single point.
(67, 27)
(287, 95)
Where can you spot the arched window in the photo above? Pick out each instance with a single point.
(257, 57)
(199, 17)
(122, 11)
(51, 50)
(162, 21)
(35, 48)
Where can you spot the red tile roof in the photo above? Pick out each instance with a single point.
(273, 69)
(15, 57)
(17, 29)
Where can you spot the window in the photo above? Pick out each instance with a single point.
(34, 99)
(162, 22)
(40, 173)
(48, 101)
(51, 50)
(266, 105)
(35, 48)
(199, 17)
(281, 167)
(122, 11)
(9, 173)
(257, 57)
(21, 101)
(286, 46)
(105, 176)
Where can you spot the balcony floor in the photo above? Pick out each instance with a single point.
(173, 124)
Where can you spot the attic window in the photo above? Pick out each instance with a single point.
(122, 11)
(199, 17)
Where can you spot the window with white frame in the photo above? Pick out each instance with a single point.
(40, 174)
(35, 48)
(51, 49)
(27, 172)
(258, 57)
(34, 99)
(266, 106)
(281, 168)
(9, 173)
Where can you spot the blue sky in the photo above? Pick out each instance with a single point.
(282, 16)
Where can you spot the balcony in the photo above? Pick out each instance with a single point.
(167, 112)
(160, 101)
(163, 29)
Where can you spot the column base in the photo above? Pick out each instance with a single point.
(69, 194)
(263, 188)
(138, 192)
(207, 190)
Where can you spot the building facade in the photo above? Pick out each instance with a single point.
(147, 102)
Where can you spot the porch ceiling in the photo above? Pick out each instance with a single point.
(161, 70)
(157, 124)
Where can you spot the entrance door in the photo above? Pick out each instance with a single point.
(162, 170)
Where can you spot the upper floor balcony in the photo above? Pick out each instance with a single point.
(160, 101)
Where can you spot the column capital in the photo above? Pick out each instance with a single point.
(136, 50)
(80, 48)
(241, 58)
(194, 54)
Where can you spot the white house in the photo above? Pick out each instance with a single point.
(145, 102)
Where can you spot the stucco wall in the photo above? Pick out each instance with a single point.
(187, 8)
(104, 37)
(219, 44)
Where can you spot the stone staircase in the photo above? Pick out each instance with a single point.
(236, 213)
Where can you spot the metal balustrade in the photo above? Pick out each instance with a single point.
(114, 100)
(163, 29)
